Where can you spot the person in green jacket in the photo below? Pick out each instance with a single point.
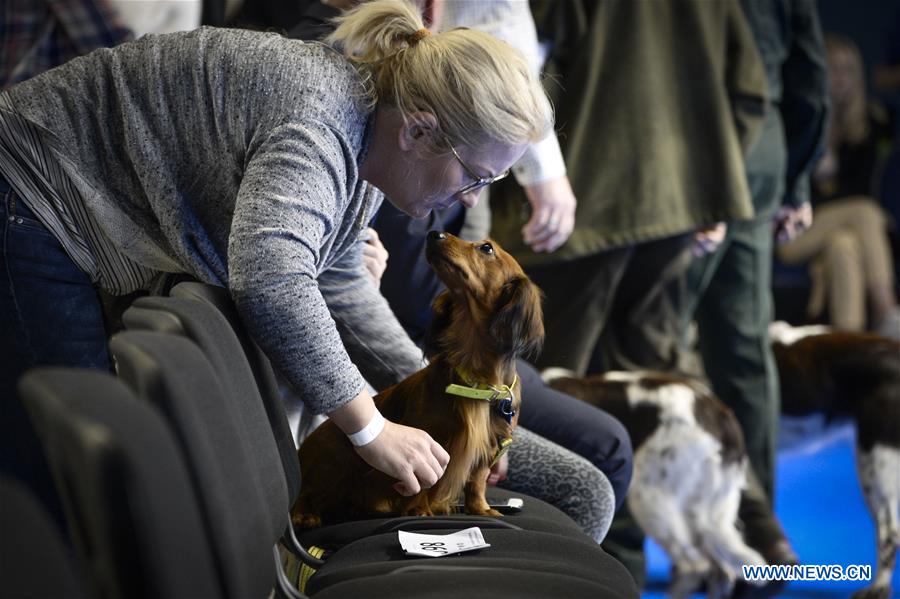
(657, 105)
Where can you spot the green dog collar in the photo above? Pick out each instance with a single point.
(502, 396)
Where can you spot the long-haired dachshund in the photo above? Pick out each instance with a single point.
(689, 469)
(467, 398)
(858, 375)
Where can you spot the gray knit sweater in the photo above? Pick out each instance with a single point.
(233, 156)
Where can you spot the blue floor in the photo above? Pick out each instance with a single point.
(820, 505)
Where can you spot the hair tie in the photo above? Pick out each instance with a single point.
(414, 38)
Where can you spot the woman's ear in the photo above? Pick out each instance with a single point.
(418, 131)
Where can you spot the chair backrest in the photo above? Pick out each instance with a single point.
(128, 498)
(266, 380)
(171, 372)
(31, 545)
(210, 331)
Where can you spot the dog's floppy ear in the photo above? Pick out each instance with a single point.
(441, 319)
(517, 324)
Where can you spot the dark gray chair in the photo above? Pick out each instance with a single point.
(234, 482)
(128, 498)
(213, 334)
(30, 546)
(263, 419)
(263, 373)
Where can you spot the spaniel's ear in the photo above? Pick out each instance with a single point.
(517, 325)
(441, 319)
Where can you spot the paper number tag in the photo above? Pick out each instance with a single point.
(440, 545)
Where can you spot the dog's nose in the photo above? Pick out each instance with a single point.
(436, 236)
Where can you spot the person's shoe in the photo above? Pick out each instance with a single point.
(779, 553)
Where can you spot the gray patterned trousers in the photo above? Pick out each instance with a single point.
(549, 472)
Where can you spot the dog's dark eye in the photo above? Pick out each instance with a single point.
(486, 248)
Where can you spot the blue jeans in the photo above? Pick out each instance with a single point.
(50, 315)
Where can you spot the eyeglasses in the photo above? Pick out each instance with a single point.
(478, 181)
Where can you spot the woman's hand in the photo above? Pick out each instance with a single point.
(375, 256)
(552, 214)
(791, 222)
(706, 241)
(408, 454)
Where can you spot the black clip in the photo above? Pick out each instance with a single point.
(504, 406)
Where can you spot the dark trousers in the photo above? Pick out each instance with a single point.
(617, 303)
(733, 316)
(51, 316)
(618, 310)
(729, 294)
(590, 432)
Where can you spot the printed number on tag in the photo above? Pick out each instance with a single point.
(436, 547)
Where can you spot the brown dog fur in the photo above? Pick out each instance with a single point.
(489, 315)
(847, 373)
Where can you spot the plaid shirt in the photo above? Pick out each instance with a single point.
(36, 35)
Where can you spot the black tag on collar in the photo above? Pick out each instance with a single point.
(504, 407)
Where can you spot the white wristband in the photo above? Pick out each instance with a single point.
(368, 432)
